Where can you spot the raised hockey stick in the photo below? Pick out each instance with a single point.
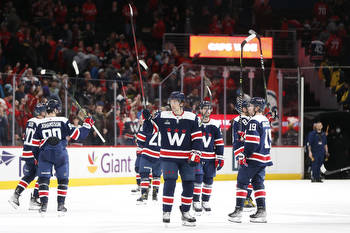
(240, 99)
(85, 114)
(78, 105)
(252, 32)
(137, 55)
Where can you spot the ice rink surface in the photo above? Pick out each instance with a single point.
(292, 206)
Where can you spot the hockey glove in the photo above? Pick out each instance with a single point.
(146, 115)
(241, 136)
(269, 116)
(89, 121)
(195, 158)
(219, 163)
(241, 159)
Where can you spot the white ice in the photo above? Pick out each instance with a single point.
(292, 206)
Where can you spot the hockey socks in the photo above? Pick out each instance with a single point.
(44, 189)
(197, 191)
(168, 194)
(138, 179)
(241, 195)
(36, 190)
(187, 195)
(206, 190)
(260, 196)
(62, 191)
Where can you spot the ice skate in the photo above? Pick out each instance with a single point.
(34, 203)
(43, 209)
(187, 219)
(14, 200)
(166, 217)
(259, 216)
(155, 194)
(248, 204)
(236, 216)
(206, 207)
(197, 208)
(143, 199)
(61, 210)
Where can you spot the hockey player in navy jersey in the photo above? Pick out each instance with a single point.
(253, 161)
(180, 152)
(212, 159)
(149, 163)
(238, 132)
(30, 156)
(52, 133)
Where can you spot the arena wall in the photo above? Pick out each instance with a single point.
(115, 165)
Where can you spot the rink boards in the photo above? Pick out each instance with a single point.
(115, 165)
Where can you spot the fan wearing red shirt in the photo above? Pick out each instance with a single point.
(89, 12)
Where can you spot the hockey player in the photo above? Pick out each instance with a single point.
(30, 156)
(181, 146)
(253, 161)
(149, 162)
(238, 132)
(52, 133)
(212, 159)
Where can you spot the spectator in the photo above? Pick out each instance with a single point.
(130, 128)
(3, 127)
(89, 11)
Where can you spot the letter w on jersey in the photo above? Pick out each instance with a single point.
(176, 139)
(206, 142)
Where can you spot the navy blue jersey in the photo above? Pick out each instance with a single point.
(30, 145)
(130, 128)
(238, 146)
(317, 141)
(213, 143)
(179, 134)
(257, 143)
(149, 144)
(59, 127)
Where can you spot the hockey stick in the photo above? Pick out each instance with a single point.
(240, 99)
(78, 105)
(137, 55)
(252, 32)
(336, 171)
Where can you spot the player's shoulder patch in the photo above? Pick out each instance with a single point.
(259, 118)
(216, 123)
(166, 114)
(189, 115)
(33, 121)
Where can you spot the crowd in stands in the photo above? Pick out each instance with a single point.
(327, 41)
(50, 34)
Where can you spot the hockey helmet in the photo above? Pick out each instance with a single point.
(245, 104)
(258, 102)
(205, 104)
(39, 108)
(177, 96)
(53, 104)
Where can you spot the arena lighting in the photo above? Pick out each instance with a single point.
(229, 47)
